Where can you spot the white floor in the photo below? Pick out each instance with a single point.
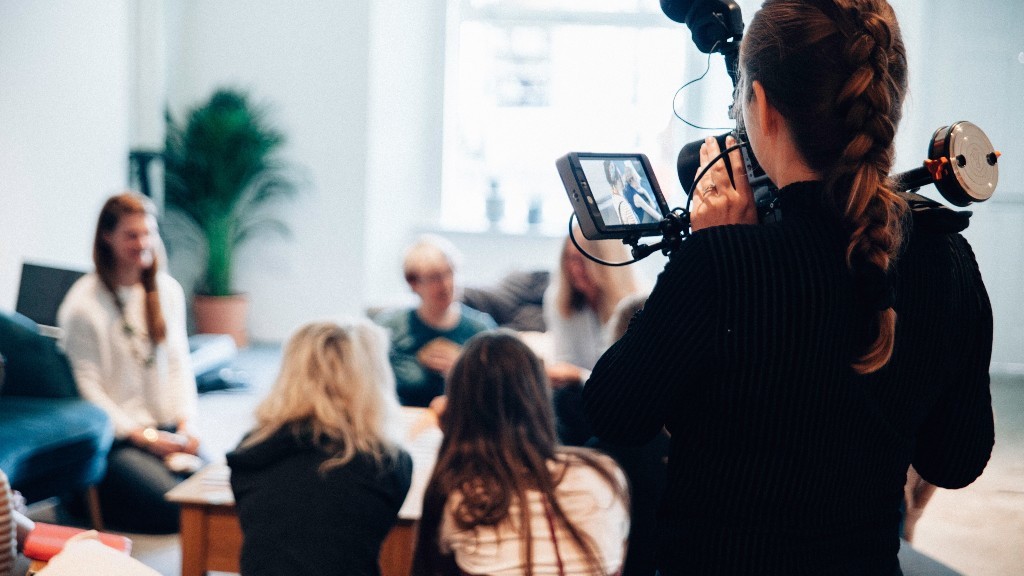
(979, 530)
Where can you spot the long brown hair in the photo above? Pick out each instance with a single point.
(837, 71)
(613, 283)
(116, 208)
(499, 440)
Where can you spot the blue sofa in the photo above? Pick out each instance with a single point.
(52, 442)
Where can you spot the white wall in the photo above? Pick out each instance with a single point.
(406, 82)
(63, 129)
(967, 63)
(309, 60)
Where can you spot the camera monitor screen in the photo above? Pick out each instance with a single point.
(613, 195)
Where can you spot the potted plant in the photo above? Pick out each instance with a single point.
(222, 176)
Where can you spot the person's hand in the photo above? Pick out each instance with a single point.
(86, 535)
(18, 502)
(438, 405)
(190, 438)
(158, 442)
(192, 441)
(183, 463)
(563, 374)
(439, 355)
(435, 415)
(916, 493)
(715, 200)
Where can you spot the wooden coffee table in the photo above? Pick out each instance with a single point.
(211, 536)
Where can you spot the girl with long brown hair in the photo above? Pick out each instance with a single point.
(802, 365)
(504, 497)
(125, 335)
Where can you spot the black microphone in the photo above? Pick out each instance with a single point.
(688, 161)
(676, 9)
(712, 23)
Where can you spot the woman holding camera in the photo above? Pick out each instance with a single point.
(772, 352)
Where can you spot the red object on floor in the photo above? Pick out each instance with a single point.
(46, 540)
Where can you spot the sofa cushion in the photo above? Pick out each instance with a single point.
(35, 365)
(515, 302)
(52, 446)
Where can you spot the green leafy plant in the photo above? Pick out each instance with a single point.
(222, 179)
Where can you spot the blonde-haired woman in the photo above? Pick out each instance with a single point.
(319, 481)
(578, 307)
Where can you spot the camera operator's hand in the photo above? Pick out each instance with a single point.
(715, 200)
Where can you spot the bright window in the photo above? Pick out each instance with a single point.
(530, 80)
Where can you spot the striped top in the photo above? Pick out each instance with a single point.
(783, 460)
(8, 542)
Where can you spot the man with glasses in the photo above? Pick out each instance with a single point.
(426, 340)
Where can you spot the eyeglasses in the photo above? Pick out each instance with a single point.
(431, 278)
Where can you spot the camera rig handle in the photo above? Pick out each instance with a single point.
(674, 228)
(961, 162)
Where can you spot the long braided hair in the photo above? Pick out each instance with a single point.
(837, 71)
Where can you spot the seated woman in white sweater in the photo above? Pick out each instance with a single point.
(125, 335)
(504, 497)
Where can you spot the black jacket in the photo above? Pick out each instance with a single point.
(783, 460)
(297, 520)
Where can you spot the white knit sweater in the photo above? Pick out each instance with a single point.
(116, 367)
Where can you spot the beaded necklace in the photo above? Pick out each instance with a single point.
(139, 344)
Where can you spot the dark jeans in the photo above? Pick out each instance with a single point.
(645, 467)
(571, 422)
(132, 492)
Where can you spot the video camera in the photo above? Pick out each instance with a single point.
(961, 160)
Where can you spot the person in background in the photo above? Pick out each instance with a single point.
(504, 498)
(638, 196)
(578, 306)
(425, 341)
(319, 481)
(124, 333)
(802, 365)
(624, 213)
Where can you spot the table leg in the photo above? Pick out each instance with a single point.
(397, 549)
(193, 541)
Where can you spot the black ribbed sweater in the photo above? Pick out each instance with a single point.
(783, 460)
